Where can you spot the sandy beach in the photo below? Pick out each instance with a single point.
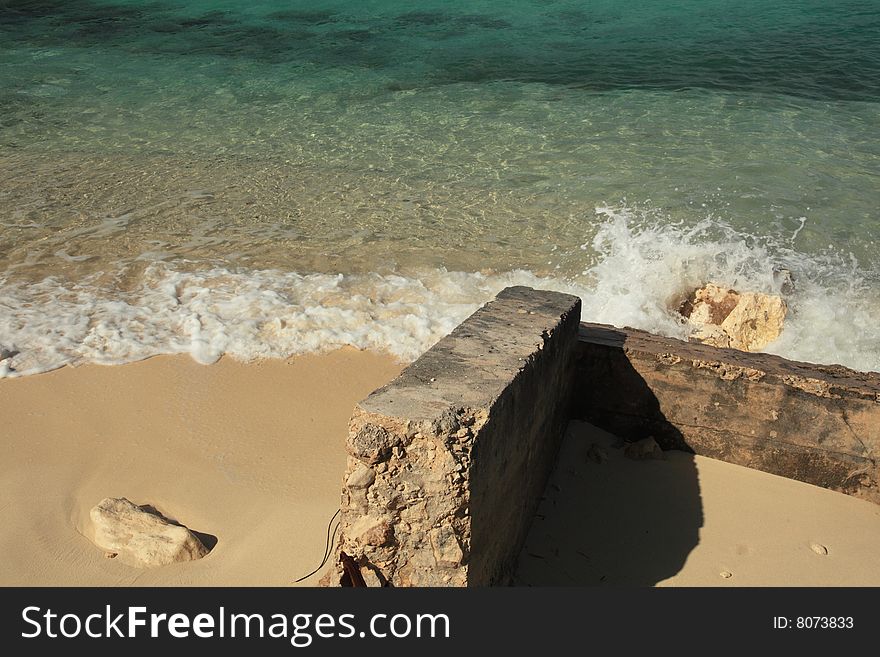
(691, 521)
(251, 454)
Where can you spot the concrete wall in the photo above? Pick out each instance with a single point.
(818, 424)
(448, 462)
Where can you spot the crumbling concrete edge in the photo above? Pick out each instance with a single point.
(815, 423)
(411, 482)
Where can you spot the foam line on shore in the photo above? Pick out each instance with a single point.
(639, 271)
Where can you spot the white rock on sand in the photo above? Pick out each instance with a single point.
(140, 538)
(722, 317)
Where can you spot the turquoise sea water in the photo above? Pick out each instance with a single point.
(264, 178)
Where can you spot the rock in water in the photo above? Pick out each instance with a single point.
(709, 305)
(783, 279)
(747, 321)
(140, 538)
(756, 321)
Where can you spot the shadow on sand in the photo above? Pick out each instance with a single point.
(605, 519)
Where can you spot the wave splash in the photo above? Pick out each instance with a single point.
(645, 267)
(636, 268)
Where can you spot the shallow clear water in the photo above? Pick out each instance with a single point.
(264, 178)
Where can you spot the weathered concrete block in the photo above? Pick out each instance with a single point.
(448, 462)
(814, 423)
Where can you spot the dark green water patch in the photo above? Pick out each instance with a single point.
(305, 16)
(805, 49)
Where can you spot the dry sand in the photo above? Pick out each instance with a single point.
(692, 521)
(252, 454)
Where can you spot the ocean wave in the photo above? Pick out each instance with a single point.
(637, 268)
(646, 266)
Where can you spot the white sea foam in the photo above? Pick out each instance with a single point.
(639, 268)
(646, 265)
(246, 315)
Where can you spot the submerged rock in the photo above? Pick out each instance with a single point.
(722, 317)
(141, 538)
(783, 279)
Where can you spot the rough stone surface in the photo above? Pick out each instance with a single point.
(597, 454)
(722, 317)
(447, 463)
(644, 449)
(814, 423)
(141, 538)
